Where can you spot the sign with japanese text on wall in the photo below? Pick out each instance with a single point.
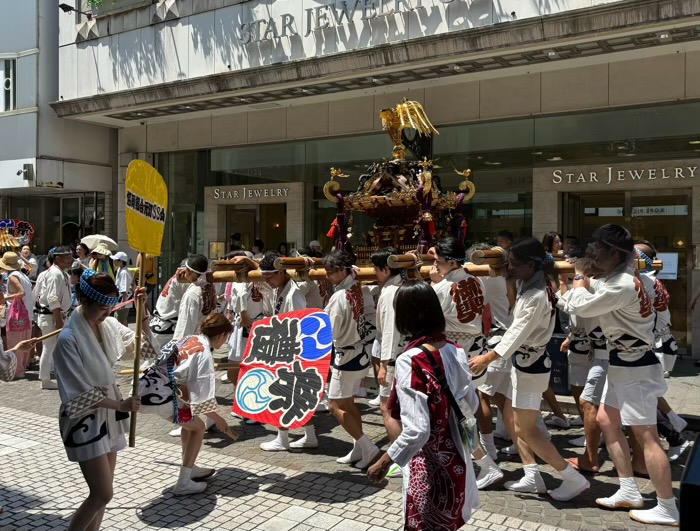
(284, 369)
(146, 207)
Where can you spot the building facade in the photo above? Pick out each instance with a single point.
(570, 113)
(55, 174)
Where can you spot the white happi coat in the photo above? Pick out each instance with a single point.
(195, 370)
(461, 297)
(391, 342)
(346, 310)
(85, 377)
(168, 303)
(526, 339)
(190, 315)
(496, 296)
(626, 318)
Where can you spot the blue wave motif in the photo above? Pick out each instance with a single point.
(316, 336)
(252, 392)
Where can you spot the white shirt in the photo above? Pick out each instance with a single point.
(390, 340)
(312, 292)
(533, 318)
(195, 369)
(496, 296)
(55, 290)
(190, 314)
(625, 312)
(292, 299)
(462, 300)
(168, 303)
(123, 281)
(346, 320)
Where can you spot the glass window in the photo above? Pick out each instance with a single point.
(8, 101)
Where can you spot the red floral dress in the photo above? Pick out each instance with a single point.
(437, 481)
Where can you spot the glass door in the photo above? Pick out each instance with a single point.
(71, 215)
(179, 241)
(663, 218)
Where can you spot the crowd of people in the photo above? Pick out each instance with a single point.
(445, 352)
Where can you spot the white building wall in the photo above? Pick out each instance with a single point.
(136, 49)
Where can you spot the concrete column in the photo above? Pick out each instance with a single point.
(546, 212)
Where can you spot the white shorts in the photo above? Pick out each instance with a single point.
(525, 399)
(344, 384)
(595, 381)
(385, 390)
(579, 364)
(634, 391)
(496, 382)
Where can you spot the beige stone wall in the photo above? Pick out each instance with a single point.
(672, 77)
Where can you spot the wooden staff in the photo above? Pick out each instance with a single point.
(297, 263)
(47, 336)
(140, 308)
(496, 257)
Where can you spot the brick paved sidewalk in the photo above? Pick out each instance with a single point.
(41, 489)
(30, 427)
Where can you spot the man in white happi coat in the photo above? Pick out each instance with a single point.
(635, 376)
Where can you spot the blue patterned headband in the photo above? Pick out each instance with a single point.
(649, 261)
(92, 293)
(458, 260)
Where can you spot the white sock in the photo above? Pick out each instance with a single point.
(185, 474)
(487, 439)
(283, 436)
(531, 471)
(365, 444)
(486, 462)
(310, 431)
(669, 505)
(628, 486)
(569, 472)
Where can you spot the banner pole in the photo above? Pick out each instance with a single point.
(140, 307)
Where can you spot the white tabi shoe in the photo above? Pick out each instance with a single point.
(557, 422)
(489, 473)
(275, 445)
(659, 515)
(531, 483)
(354, 456)
(368, 457)
(305, 442)
(200, 474)
(572, 485)
(176, 432)
(375, 402)
(510, 450)
(621, 501)
(185, 488)
(225, 380)
(674, 452)
(49, 385)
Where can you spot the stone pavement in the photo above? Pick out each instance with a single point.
(259, 490)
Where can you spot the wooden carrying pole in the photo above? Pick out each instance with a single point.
(492, 265)
(140, 307)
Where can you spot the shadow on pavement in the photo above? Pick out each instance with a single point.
(15, 515)
(320, 486)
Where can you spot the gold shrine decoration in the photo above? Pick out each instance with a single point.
(466, 184)
(332, 187)
(408, 114)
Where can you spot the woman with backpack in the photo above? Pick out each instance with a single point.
(18, 290)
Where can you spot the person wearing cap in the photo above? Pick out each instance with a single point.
(123, 281)
(198, 301)
(19, 323)
(101, 261)
(54, 295)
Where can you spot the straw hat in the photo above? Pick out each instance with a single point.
(10, 262)
(101, 249)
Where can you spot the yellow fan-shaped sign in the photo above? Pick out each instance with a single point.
(146, 207)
